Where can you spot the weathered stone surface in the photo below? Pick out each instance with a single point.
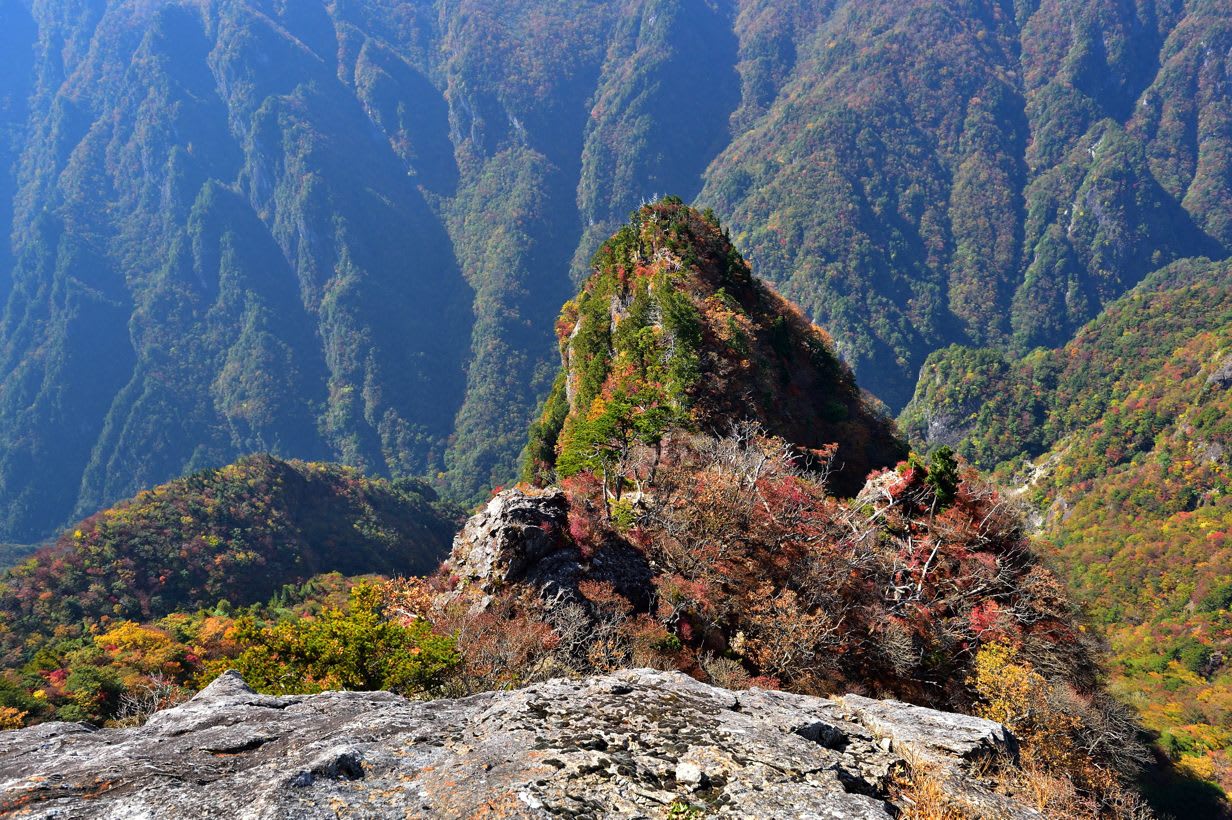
(947, 429)
(513, 533)
(523, 538)
(1221, 376)
(632, 744)
(929, 734)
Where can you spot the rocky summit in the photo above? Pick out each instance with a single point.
(638, 743)
(672, 330)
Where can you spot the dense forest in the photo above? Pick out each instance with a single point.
(364, 214)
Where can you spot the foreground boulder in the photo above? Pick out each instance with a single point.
(634, 744)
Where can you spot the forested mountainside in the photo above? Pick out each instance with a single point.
(1122, 438)
(237, 533)
(981, 172)
(140, 597)
(343, 230)
(785, 540)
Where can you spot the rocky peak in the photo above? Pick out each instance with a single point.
(637, 743)
(673, 330)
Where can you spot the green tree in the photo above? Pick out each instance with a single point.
(943, 475)
(356, 649)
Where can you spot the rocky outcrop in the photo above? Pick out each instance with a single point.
(947, 429)
(524, 538)
(938, 737)
(634, 744)
(1221, 376)
(514, 533)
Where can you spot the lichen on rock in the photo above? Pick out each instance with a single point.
(632, 744)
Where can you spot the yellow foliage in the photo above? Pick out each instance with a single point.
(144, 648)
(214, 630)
(1018, 697)
(10, 718)
(128, 636)
(1188, 677)
(1200, 766)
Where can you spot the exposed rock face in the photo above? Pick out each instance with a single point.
(935, 736)
(512, 534)
(521, 538)
(633, 744)
(946, 429)
(1221, 376)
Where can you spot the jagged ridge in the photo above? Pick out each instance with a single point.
(673, 330)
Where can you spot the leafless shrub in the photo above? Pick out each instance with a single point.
(157, 693)
(725, 672)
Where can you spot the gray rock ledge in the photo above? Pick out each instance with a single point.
(630, 744)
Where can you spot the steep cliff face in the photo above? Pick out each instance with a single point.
(672, 330)
(17, 36)
(318, 230)
(215, 254)
(637, 743)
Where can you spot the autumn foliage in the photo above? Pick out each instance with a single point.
(921, 587)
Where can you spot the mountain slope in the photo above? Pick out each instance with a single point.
(239, 534)
(1122, 438)
(343, 230)
(937, 172)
